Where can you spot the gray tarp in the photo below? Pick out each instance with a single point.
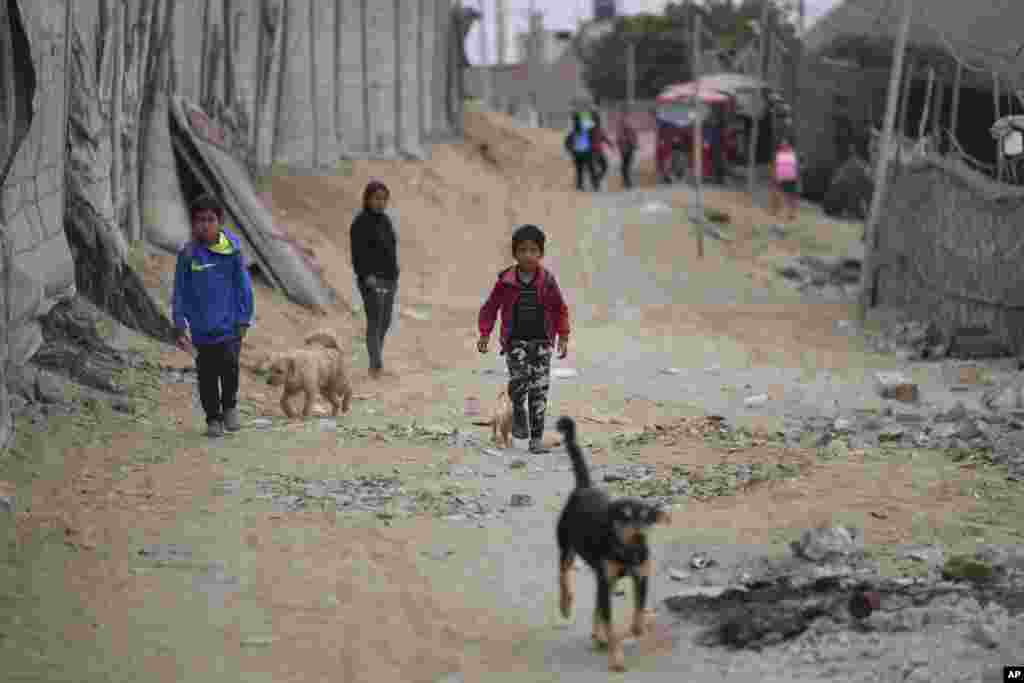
(280, 262)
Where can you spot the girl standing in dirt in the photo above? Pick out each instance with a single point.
(787, 176)
(533, 315)
(375, 262)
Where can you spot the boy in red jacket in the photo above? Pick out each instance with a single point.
(533, 315)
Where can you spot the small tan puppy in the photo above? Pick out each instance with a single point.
(501, 422)
(318, 368)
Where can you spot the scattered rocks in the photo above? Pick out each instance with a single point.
(920, 341)
(629, 473)
(835, 274)
(166, 552)
(985, 635)
(931, 555)
(702, 561)
(440, 553)
(824, 543)
(520, 500)
(227, 487)
(756, 401)
(8, 497)
(678, 575)
(377, 494)
(894, 385)
(815, 606)
(1008, 449)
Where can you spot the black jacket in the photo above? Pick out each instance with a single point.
(374, 246)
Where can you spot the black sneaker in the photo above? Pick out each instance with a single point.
(215, 429)
(520, 430)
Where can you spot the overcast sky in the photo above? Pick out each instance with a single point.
(563, 14)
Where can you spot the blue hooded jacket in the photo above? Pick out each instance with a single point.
(212, 290)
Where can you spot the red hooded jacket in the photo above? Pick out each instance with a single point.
(505, 295)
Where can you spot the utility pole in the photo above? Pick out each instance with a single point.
(536, 27)
(485, 71)
(501, 17)
(756, 131)
(630, 71)
(698, 136)
(882, 164)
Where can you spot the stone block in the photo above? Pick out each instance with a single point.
(896, 386)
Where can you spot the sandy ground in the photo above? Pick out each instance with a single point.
(315, 595)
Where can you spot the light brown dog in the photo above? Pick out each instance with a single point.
(501, 422)
(318, 368)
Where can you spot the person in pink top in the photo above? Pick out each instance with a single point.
(787, 180)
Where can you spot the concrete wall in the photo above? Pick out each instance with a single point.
(304, 82)
(553, 88)
(32, 206)
(356, 78)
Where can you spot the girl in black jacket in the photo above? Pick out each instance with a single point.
(375, 262)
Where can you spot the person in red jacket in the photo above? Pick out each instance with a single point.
(533, 316)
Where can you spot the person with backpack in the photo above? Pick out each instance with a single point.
(579, 144)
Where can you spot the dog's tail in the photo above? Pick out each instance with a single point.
(325, 338)
(567, 427)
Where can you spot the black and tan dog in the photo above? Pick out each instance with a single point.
(610, 535)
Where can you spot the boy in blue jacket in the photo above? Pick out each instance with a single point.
(213, 300)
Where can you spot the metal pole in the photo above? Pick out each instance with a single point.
(756, 132)
(500, 16)
(698, 137)
(485, 72)
(882, 164)
(630, 72)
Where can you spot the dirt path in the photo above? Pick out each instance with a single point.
(152, 554)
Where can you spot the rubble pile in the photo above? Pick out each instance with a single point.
(828, 593)
(808, 272)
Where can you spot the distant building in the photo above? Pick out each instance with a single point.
(548, 87)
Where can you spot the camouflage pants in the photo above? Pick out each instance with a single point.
(529, 371)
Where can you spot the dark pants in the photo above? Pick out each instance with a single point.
(378, 302)
(627, 166)
(217, 369)
(529, 372)
(718, 163)
(585, 162)
(601, 163)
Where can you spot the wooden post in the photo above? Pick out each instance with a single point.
(882, 164)
(698, 137)
(756, 130)
(954, 113)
